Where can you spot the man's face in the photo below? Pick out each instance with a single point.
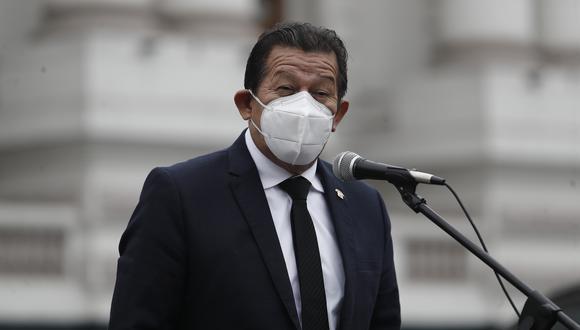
(289, 71)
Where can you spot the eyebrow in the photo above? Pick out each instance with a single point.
(283, 74)
(327, 77)
(290, 76)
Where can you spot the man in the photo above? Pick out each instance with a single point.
(262, 235)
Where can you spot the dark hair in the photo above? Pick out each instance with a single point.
(303, 36)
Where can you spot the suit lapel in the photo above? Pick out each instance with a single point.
(343, 226)
(249, 194)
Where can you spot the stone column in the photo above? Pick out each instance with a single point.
(559, 33)
(485, 29)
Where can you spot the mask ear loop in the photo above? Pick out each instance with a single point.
(258, 129)
(257, 99)
(264, 107)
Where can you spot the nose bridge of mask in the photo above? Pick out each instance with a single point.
(295, 104)
(293, 115)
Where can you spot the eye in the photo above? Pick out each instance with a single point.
(285, 89)
(321, 95)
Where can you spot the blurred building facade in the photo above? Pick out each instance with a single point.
(95, 93)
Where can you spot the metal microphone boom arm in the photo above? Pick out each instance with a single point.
(539, 312)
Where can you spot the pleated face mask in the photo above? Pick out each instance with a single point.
(295, 127)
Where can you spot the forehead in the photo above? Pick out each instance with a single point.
(294, 60)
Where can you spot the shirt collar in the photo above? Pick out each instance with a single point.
(271, 174)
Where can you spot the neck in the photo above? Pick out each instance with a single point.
(294, 169)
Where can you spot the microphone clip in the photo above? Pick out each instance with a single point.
(407, 189)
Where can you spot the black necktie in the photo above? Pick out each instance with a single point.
(314, 315)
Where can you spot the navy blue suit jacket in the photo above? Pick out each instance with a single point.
(201, 252)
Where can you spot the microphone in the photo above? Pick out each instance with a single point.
(349, 166)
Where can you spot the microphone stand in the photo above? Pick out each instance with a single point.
(539, 312)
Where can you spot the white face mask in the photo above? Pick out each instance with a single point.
(295, 127)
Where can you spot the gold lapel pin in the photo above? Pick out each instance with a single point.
(339, 193)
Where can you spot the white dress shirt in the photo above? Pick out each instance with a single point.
(280, 204)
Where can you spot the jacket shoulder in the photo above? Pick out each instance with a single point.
(205, 167)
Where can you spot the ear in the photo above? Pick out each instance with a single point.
(243, 101)
(341, 111)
